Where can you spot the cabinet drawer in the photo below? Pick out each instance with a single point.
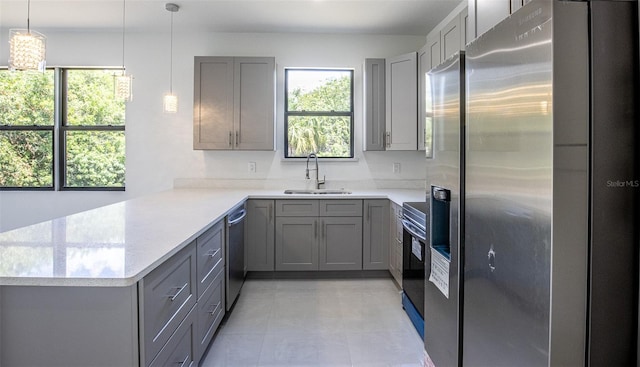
(180, 349)
(209, 255)
(341, 208)
(297, 208)
(169, 293)
(210, 312)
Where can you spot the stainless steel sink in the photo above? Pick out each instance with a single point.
(317, 192)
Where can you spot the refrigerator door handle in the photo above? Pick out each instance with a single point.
(491, 256)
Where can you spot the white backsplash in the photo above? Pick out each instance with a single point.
(221, 183)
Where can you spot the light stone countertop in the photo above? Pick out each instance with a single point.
(118, 244)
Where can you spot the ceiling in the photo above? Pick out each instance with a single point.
(389, 17)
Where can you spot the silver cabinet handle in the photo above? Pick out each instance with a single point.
(212, 253)
(237, 138)
(315, 229)
(184, 362)
(388, 140)
(214, 309)
(172, 297)
(230, 138)
(270, 212)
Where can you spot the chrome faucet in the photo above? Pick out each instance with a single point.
(318, 181)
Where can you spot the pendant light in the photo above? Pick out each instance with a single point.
(170, 102)
(123, 82)
(26, 47)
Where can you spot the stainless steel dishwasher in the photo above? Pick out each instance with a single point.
(235, 269)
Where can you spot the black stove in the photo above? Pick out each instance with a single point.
(414, 239)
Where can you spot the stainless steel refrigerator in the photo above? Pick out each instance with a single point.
(551, 189)
(445, 209)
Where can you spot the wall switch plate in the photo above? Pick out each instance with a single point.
(396, 167)
(252, 167)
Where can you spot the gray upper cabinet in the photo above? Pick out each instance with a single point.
(401, 102)
(260, 235)
(234, 103)
(374, 104)
(375, 251)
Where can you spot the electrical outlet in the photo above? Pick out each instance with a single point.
(252, 167)
(396, 167)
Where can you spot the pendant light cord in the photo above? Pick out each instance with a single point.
(28, 14)
(171, 59)
(124, 6)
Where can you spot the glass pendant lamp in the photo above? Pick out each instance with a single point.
(170, 101)
(123, 83)
(26, 47)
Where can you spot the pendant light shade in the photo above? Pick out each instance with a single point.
(26, 48)
(170, 103)
(123, 83)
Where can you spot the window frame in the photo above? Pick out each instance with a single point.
(64, 127)
(51, 128)
(288, 113)
(58, 131)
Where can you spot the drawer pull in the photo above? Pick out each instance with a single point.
(172, 297)
(184, 362)
(215, 308)
(212, 253)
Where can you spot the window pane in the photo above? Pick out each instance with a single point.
(319, 90)
(328, 136)
(90, 99)
(26, 98)
(26, 158)
(95, 158)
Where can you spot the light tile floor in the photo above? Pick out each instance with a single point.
(318, 322)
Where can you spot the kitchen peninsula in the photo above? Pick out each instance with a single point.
(79, 290)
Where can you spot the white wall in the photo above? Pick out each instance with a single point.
(159, 146)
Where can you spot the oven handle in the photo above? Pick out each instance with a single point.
(409, 227)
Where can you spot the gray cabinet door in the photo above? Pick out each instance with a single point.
(254, 103)
(375, 252)
(234, 103)
(340, 246)
(260, 235)
(168, 294)
(296, 243)
(402, 102)
(213, 103)
(374, 104)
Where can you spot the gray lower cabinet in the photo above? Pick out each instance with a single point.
(340, 243)
(181, 302)
(181, 348)
(209, 312)
(318, 235)
(296, 243)
(167, 295)
(375, 249)
(260, 235)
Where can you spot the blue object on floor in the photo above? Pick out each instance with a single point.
(414, 316)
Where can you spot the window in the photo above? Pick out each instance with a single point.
(26, 129)
(78, 124)
(319, 113)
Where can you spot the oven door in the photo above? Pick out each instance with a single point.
(413, 255)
